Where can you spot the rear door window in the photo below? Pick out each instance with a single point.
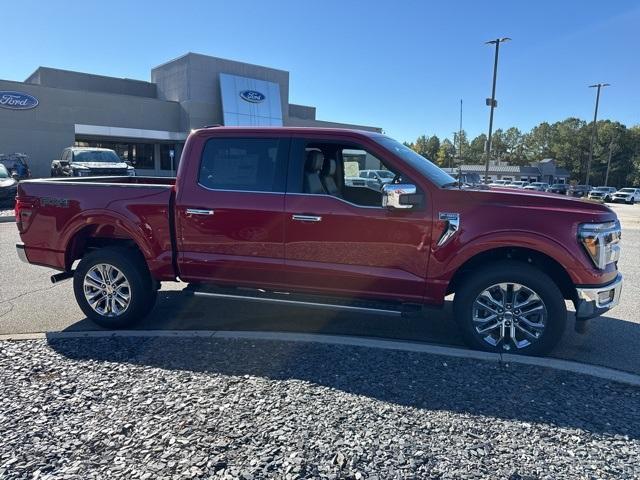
(244, 164)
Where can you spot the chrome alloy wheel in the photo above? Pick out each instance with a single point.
(509, 315)
(107, 290)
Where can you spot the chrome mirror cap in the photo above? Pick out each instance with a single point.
(392, 195)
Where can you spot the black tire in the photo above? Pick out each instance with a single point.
(142, 289)
(527, 276)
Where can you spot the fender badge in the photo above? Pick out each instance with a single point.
(453, 225)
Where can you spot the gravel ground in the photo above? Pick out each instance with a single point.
(141, 408)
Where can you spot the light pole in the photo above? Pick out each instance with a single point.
(593, 129)
(491, 102)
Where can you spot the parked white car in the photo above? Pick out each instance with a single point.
(538, 186)
(499, 183)
(519, 184)
(626, 195)
(602, 193)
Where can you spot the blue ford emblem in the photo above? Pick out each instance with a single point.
(252, 96)
(17, 100)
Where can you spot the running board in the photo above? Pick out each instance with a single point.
(359, 306)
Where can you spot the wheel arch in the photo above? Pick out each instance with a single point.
(92, 236)
(544, 262)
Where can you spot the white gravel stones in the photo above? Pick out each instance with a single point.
(141, 408)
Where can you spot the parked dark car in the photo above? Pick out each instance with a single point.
(8, 188)
(90, 162)
(579, 191)
(560, 188)
(16, 164)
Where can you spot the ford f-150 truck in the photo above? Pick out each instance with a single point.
(265, 215)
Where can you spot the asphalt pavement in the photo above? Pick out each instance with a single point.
(30, 303)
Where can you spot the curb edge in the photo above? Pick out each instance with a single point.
(604, 373)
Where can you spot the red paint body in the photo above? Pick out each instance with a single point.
(251, 239)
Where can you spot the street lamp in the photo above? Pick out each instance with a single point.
(593, 129)
(491, 102)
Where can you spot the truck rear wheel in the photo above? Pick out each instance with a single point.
(510, 307)
(113, 287)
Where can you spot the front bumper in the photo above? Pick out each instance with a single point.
(594, 301)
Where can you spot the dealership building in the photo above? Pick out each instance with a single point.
(146, 123)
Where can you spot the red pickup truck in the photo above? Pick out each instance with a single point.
(272, 215)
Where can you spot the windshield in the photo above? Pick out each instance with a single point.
(102, 156)
(602, 189)
(3, 172)
(628, 190)
(417, 161)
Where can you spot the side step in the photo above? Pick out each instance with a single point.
(395, 309)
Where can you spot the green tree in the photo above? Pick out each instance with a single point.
(461, 144)
(444, 157)
(426, 146)
(566, 141)
(475, 151)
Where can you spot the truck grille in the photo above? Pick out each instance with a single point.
(108, 172)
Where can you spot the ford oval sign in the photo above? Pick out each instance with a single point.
(252, 96)
(17, 100)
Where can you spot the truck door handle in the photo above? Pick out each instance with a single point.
(307, 218)
(199, 211)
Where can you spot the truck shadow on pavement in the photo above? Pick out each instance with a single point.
(415, 380)
(179, 311)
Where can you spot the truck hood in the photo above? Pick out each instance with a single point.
(532, 204)
(99, 165)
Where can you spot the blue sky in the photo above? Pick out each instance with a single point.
(400, 65)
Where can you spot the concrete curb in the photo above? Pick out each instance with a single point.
(407, 346)
(7, 219)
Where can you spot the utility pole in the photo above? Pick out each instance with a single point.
(454, 147)
(606, 177)
(594, 127)
(491, 102)
(460, 136)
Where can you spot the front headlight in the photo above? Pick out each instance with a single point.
(81, 173)
(601, 242)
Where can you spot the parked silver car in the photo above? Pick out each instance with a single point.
(602, 193)
(518, 184)
(375, 179)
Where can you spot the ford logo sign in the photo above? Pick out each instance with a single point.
(252, 96)
(17, 100)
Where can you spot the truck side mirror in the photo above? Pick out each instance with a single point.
(400, 196)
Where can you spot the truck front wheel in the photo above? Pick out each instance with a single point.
(510, 307)
(113, 287)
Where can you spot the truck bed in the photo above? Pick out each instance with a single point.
(109, 181)
(53, 214)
